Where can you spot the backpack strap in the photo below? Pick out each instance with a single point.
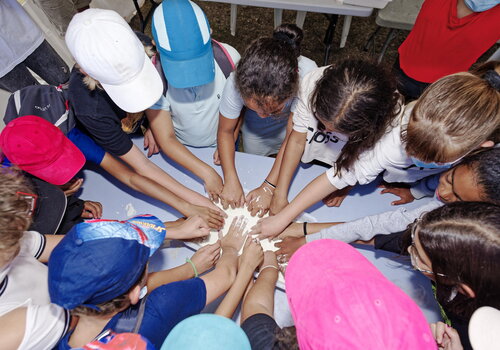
(223, 58)
(131, 319)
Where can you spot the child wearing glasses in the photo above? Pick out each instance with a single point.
(475, 178)
(455, 116)
(265, 82)
(342, 110)
(458, 247)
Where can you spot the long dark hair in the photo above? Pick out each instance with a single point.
(268, 69)
(462, 241)
(291, 34)
(357, 98)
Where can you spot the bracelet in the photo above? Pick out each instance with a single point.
(304, 228)
(194, 267)
(265, 267)
(270, 184)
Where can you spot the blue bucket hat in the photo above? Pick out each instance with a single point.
(208, 332)
(99, 260)
(182, 35)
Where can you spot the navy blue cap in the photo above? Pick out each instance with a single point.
(99, 260)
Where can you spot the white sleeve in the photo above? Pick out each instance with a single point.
(162, 103)
(302, 109)
(381, 224)
(231, 102)
(235, 55)
(45, 326)
(32, 244)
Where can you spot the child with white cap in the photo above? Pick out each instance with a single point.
(107, 50)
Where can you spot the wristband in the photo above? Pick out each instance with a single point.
(304, 228)
(194, 267)
(270, 184)
(267, 266)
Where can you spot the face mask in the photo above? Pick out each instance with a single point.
(421, 164)
(143, 292)
(481, 5)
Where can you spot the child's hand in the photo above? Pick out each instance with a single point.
(403, 193)
(336, 198)
(206, 257)
(216, 157)
(234, 238)
(259, 200)
(71, 187)
(277, 204)
(288, 247)
(446, 337)
(150, 143)
(232, 195)
(269, 227)
(252, 254)
(193, 227)
(213, 185)
(91, 210)
(213, 218)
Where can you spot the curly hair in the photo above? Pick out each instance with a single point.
(14, 208)
(268, 70)
(462, 241)
(291, 34)
(357, 98)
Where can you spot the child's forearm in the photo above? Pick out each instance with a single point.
(50, 243)
(235, 293)
(291, 158)
(311, 194)
(179, 273)
(222, 277)
(260, 298)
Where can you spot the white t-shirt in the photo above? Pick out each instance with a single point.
(324, 146)
(388, 156)
(195, 111)
(24, 284)
(262, 136)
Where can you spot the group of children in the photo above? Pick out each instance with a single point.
(69, 283)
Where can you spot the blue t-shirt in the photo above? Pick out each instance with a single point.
(165, 307)
(91, 150)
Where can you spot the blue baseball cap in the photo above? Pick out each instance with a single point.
(99, 260)
(182, 35)
(208, 332)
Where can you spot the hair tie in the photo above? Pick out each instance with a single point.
(493, 78)
(283, 37)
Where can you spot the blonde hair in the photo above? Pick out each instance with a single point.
(14, 208)
(454, 116)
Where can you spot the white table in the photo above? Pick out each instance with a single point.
(363, 200)
(349, 8)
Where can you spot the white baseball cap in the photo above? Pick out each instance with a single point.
(484, 328)
(107, 49)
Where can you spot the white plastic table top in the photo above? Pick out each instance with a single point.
(120, 202)
(322, 6)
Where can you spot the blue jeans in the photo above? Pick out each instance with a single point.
(45, 62)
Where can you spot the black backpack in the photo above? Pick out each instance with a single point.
(45, 101)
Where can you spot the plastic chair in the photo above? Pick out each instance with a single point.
(397, 15)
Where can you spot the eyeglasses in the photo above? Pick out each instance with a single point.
(414, 254)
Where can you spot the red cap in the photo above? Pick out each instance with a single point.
(41, 149)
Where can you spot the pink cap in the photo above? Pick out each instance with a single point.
(339, 300)
(41, 149)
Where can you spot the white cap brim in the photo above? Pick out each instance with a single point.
(139, 93)
(484, 328)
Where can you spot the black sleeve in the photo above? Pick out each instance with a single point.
(260, 330)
